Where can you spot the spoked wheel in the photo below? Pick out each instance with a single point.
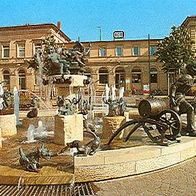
(172, 120)
(135, 123)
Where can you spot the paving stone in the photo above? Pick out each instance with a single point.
(178, 180)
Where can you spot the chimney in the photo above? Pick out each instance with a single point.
(59, 25)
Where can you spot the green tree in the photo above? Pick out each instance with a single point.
(175, 51)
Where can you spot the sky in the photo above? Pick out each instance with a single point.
(85, 18)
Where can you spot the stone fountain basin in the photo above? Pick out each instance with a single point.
(131, 161)
(108, 164)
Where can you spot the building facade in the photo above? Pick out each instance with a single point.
(131, 63)
(19, 44)
(128, 63)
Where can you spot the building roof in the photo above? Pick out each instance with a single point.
(188, 18)
(118, 41)
(35, 26)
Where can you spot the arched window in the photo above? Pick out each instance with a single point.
(6, 78)
(22, 79)
(103, 75)
(119, 77)
(136, 75)
(153, 75)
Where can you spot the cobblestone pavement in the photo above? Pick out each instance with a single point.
(177, 180)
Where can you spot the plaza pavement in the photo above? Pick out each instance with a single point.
(179, 180)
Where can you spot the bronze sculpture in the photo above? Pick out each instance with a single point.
(87, 149)
(178, 102)
(162, 125)
(116, 107)
(31, 160)
(5, 99)
(67, 106)
(54, 60)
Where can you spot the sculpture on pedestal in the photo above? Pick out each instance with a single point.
(67, 106)
(116, 106)
(4, 99)
(54, 60)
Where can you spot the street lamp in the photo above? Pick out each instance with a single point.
(99, 27)
(149, 62)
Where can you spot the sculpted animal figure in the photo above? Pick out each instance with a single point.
(31, 160)
(88, 149)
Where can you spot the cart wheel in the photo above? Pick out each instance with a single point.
(173, 121)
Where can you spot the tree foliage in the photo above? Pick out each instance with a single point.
(175, 51)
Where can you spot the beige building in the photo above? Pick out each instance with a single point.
(190, 23)
(131, 63)
(128, 63)
(18, 44)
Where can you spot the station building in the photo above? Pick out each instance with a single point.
(128, 63)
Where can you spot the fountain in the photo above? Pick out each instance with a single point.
(16, 106)
(116, 108)
(30, 134)
(75, 132)
(62, 70)
(40, 131)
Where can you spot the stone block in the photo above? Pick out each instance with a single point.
(89, 160)
(8, 125)
(111, 124)
(78, 80)
(0, 139)
(132, 154)
(194, 142)
(188, 153)
(157, 163)
(68, 128)
(185, 143)
(101, 172)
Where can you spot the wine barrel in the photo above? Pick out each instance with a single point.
(151, 107)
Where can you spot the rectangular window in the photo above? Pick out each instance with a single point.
(5, 51)
(102, 51)
(136, 51)
(21, 50)
(152, 50)
(119, 50)
(37, 46)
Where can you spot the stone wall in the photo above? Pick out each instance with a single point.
(131, 161)
(8, 125)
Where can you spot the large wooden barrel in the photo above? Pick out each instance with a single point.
(151, 107)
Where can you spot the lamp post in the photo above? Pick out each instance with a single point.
(100, 33)
(149, 61)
